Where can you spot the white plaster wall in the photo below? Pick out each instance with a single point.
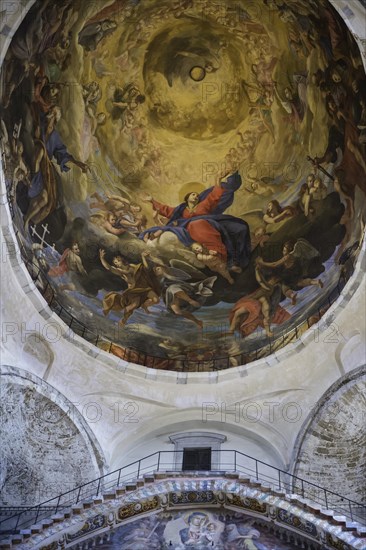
(112, 394)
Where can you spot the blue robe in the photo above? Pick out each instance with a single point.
(234, 231)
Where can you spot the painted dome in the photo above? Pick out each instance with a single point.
(187, 179)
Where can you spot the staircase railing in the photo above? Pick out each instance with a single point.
(171, 461)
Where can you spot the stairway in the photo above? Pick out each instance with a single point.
(18, 529)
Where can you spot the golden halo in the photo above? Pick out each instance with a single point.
(190, 187)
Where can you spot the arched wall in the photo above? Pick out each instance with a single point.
(47, 448)
(332, 441)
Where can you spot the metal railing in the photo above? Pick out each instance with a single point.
(183, 363)
(223, 461)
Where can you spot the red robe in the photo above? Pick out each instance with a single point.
(200, 231)
(255, 316)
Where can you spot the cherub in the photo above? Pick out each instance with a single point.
(132, 219)
(108, 221)
(259, 237)
(318, 191)
(304, 196)
(139, 217)
(113, 203)
(211, 260)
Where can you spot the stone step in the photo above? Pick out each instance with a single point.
(87, 504)
(58, 518)
(255, 483)
(361, 532)
(109, 496)
(160, 475)
(26, 533)
(149, 478)
(339, 520)
(296, 500)
(279, 492)
(327, 514)
(244, 479)
(76, 509)
(16, 539)
(314, 508)
(46, 523)
(351, 526)
(232, 475)
(36, 528)
(131, 487)
(5, 545)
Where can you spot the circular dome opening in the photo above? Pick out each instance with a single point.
(197, 73)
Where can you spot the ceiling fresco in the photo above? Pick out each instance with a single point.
(187, 179)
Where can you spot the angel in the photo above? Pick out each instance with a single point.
(128, 97)
(92, 34)
(260, 187)
(294, 103)
(263, 74)
(21, 171)
(276, 215)
(259, 237)
(180, 293)
(91, 94)
(260, 308)
(260, 111)
(211, 260)
(319, 190)
(298, 259)
(138, 217)
(107, 221)
(4, 143)
(142, 289)
(119, 267)
(98, 62)
(113, 203)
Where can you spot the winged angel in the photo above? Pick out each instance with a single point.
(299, 261)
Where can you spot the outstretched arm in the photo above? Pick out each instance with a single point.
(144, 256)
(103, 261)
(109, 267)
(280, 262)
(113, 230)
(163, 209)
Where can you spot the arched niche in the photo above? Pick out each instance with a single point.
(47, 446)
